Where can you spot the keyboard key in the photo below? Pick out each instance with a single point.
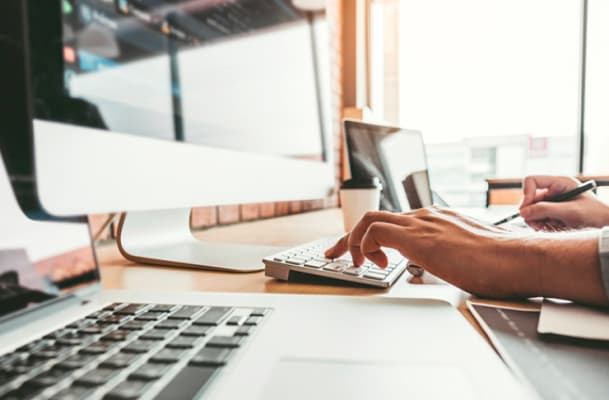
(170, 324)
(116, 336)
(244, 330)
(196, 331)
(355, 271)
(258, 312)
(50, 377)
(25, 392)
(211, 357)
(314, 264)
(132, 309)
(187, 383)
(148, 316)
(95, 329)
(75, 361)
(112, 319)
(186, 312)
(214, 316)
(80, 323)
(163, 308)
(184, 342)
(96, 377)
(136, 325)
(280, 258)
(127, 390)
(156, 334)
(336, 267)
(98, 314)
(120, 360)
(225, 341)
(73, 393)
(296, 260)
(252, 321)
(149, 372)
(97, 348)
(235, 320)
(167, 356)
(138, 347)
(115, 306)
(375, 276)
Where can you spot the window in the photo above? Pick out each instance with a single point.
(493, 85)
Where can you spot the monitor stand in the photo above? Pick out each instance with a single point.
(164, 237)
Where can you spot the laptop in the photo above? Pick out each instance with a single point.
(63, 336)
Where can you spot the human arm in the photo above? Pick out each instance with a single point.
(584, 211)
(485, 260)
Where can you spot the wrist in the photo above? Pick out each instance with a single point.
(567, 266)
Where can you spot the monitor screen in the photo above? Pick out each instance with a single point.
(394, 155)
(40, 261)
(235, 74)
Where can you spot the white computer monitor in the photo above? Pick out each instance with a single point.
(156, 109)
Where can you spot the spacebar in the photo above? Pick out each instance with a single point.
(187, 383)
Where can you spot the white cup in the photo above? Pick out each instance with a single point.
(358, 197)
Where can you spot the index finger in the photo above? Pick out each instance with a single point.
(356, 235)
(538, 187)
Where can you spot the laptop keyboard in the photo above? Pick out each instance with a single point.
(130, 351)
(310, 259)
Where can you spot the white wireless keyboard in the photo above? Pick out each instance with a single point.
(309, 259)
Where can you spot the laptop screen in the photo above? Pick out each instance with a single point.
(40, 261)
(394, 155)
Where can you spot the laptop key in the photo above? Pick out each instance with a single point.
(96, 377)
(116, 336)
(132, 309)
(184, 342)
(163, 308)
(50, 377)
(127, 390)
(97, 348)
(186, 312)
(198, 331)
(225, 341)
(75, 361)
(214, 316)
(138, 347)
(149, 372)
(252, 321)
(73, 393)
(167, 356)
(148, 316)
(156, 334)
(112, 319)
(170, 324)
(120, 360)
(244, 330)
(211, 357)
(187, 383)
(258, 312)
(135, 325)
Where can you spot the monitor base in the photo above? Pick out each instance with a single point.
(163, 237)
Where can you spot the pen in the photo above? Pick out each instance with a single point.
(568, 195)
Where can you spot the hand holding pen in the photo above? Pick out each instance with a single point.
(554, 203)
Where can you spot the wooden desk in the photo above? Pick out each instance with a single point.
(119, 273)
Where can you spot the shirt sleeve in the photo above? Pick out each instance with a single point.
(603, 249)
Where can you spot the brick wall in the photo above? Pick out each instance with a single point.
(205, 217)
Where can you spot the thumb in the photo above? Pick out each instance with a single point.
(545, 210)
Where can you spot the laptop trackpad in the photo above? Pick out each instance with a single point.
(302, 379)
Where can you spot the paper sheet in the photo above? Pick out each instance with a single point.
(569, 319)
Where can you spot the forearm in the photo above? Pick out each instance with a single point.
(568, 267)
